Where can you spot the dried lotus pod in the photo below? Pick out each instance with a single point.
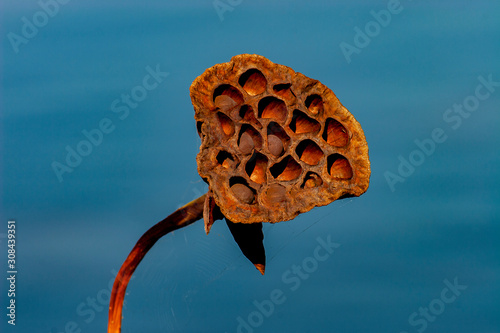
(274, 143)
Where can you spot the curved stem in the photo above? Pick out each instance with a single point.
(182, 217)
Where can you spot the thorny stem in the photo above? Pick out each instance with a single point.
(182, 217)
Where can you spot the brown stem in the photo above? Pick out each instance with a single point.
(182, 217)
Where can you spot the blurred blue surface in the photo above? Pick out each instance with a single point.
(396, 247)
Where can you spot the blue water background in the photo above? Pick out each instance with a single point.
(396, 247)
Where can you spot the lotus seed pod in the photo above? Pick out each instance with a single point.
(274, 143)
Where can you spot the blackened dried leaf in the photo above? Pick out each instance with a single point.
(249, 238)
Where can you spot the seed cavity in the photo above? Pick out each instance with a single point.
(309, 152)
(241, 190)
(226, 124)
(275, 145)
(246, 113)
(256, 168)
(339, 167)
(312, 180)
(314, 104)
(253, 82)
(287, 169)
(284, 91)
(249, 139)
(225, 159)
(226, 96)
(272, 108)
(301, 123)
(277, 139)
(335, 134)
(275, 194)
(199, 125)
